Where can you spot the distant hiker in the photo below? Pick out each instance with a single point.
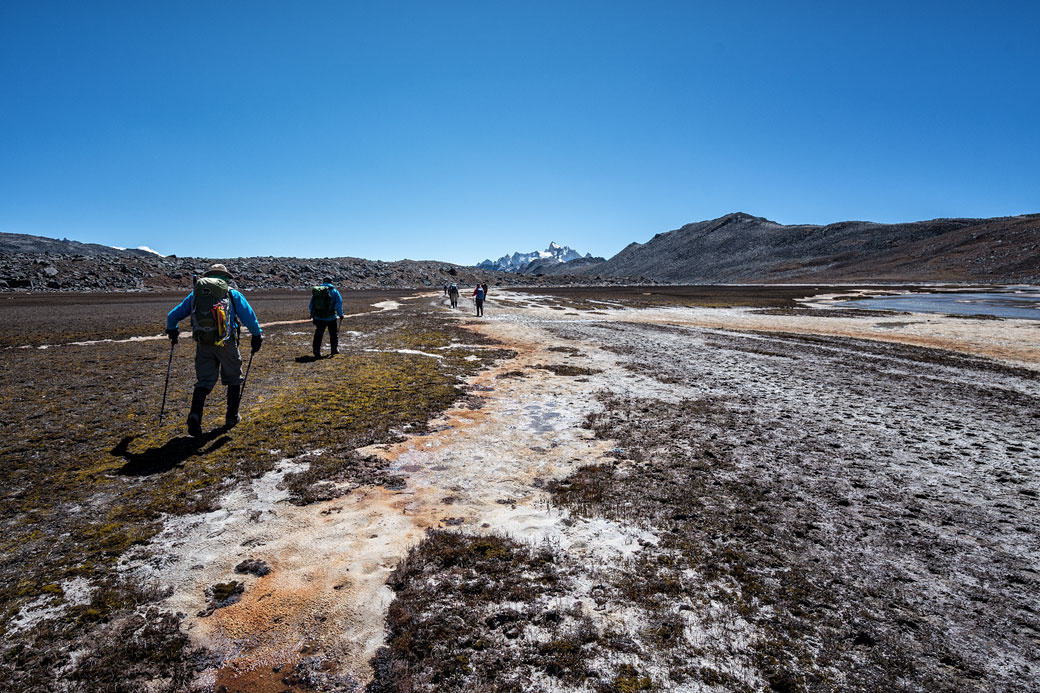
(326, 304)
(485, 289)
(478, 298)
(445, 288)
(217, 315)
(453, 295)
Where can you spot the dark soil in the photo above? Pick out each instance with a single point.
(36, 319)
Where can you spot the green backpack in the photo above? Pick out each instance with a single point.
(322, 302)
(212, 314)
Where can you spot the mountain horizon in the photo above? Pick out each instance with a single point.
(735, 248)
(517, 261)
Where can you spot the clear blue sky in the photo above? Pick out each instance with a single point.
(463, 130)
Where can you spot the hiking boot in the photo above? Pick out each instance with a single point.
(198, 402)
(234, 396)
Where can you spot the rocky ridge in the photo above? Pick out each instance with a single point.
(116, 271)
(742, 248)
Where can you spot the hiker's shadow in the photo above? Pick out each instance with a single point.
(308, 359)
(167, 456)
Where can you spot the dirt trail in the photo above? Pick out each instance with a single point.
(383, 306)
(325, 596)
(323, 603)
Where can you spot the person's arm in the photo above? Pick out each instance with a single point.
(245, 313)
(310, 306)
(337, 302)
(179, 313)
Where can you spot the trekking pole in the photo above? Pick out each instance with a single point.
(243, 390)
(162, 410)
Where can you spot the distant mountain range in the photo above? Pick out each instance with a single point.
(36, 263)
(740, 248)
(736, 248)
(536, 261)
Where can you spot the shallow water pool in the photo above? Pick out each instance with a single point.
(1014, 302)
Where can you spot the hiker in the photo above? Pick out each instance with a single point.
(453, 295)
(326, 304)
(478, 298)
(217, 315)
(445, 288)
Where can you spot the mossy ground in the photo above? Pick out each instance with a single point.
(486, 613)
(89, 472)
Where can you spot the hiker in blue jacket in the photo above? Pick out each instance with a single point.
(217, 314)
(479, 294)
(326, 304)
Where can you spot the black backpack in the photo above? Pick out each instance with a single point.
(322, 302)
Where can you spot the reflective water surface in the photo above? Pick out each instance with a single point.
(1021, 302)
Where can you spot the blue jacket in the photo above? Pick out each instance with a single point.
(337, 304)
(242, 312)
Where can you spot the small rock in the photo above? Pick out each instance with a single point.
(253, 567)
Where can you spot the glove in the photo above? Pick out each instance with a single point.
(255, 342)
(173, 334)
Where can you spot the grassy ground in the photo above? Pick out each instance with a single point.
(89, 473)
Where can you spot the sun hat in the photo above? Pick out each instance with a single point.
(217, 269)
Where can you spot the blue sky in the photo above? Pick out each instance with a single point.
(463, 130)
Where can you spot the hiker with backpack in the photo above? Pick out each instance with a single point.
(326, 304)
(453, 295)
(217, 314)
(478, 298)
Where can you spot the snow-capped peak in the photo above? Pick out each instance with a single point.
(516, 261)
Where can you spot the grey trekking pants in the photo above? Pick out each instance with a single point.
(213, 360)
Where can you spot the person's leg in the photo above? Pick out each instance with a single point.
(231, 375)
(334, 336)
(207, 369)
(319, 334)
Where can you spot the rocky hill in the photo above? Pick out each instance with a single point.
(11, 243)
(540, 267)
(34, 263)
(742, 248)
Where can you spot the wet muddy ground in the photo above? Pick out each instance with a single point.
(583, 493)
